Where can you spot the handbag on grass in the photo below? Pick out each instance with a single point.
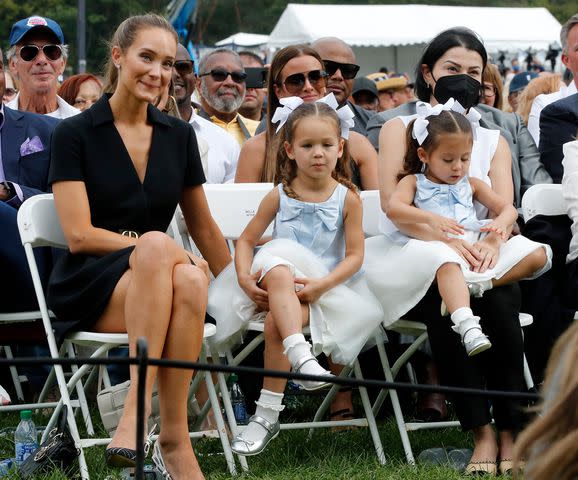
(57, 452)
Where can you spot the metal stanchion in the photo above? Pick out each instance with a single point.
(142, 357)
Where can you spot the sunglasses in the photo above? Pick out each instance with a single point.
(295, 83)
(348, 70)
(219, 75)
(30, 52)
(10, 92)
(184, 67)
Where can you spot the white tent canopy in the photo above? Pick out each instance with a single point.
(404, 29)
(243, 40)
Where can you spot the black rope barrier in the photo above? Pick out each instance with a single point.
(142, 357)
(218, 367)
(143, 361)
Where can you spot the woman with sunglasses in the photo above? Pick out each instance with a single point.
(452, 66)
(118, 171)
(297, 70)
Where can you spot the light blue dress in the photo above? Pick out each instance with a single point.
(451, 201)
(316, 226)
(309, 239)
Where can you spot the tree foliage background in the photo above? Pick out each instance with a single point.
(216, 19)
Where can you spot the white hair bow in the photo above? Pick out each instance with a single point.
(282, 113)
(424, 110)
(344, 113)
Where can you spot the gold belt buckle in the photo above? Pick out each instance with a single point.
(129, 233)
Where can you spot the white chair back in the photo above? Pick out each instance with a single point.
(38, 222)
(543, 199)
(371, 212)
(233, 205)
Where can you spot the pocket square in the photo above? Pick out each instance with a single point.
(31, 145)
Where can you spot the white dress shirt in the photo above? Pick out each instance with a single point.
(64, 109)
(542, 101)
(570, 192)
(223, 150)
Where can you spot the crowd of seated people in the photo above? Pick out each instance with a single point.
(147, 134)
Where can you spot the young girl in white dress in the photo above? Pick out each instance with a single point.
(434, 189)
(309, 273)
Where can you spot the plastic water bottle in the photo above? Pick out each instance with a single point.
(6, 466)
(238, 400)
(25, 437)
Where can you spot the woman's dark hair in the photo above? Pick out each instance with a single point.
(71, 86)
(447, 122)
(281, 58)
(453, 37)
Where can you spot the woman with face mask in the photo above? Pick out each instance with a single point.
(451, 68)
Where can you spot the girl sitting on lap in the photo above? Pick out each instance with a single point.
(434, 189)
(307, 273)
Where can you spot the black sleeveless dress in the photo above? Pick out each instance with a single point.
(88, 148)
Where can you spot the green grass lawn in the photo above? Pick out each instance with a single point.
(328, 456)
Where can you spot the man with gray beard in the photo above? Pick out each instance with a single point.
(221, 85)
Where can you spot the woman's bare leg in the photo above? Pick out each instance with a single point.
(506, 445)
(141, 305)
(485, 445)
(183, 342)
(524, 268)
(342, 402)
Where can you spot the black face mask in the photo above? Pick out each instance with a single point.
(462, 88)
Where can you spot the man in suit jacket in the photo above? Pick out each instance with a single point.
(558, 125)
(24, 159)
(526, 167)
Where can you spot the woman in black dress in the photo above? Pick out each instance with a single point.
(118, 171)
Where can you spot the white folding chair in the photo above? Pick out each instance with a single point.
(371, 219)
(232, 206)
(29, 319)
(39, 225)
(543, 199)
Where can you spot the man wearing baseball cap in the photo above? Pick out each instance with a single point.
(365, 94)
(517, 86)
(37, 57)
(391, 90)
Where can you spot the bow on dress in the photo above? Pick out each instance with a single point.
(328, 214)
(456, 197)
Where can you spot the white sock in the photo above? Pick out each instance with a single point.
(464, 320)
(477, 289)
(296, 347)
(269, 406)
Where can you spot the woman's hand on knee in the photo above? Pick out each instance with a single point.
(465, 250)
(201, 263)
(489, 252)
